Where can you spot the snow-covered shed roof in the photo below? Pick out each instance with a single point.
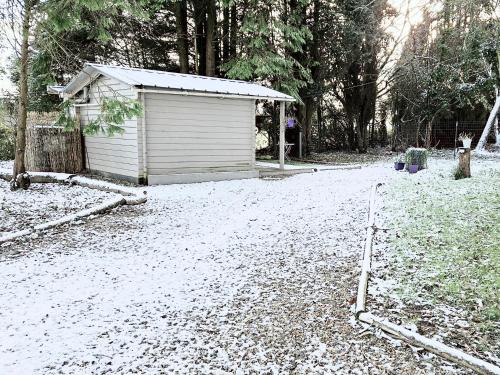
(55, 89)
(144, 78)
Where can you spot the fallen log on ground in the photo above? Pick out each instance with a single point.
(128, 196)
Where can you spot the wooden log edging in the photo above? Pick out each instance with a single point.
(367, 254)
(452, 354)
(127, 196)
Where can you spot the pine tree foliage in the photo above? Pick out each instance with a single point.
(267, 41)
(333, 56)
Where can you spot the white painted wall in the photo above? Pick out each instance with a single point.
(193, 134)
(184, 135)
(118, 154)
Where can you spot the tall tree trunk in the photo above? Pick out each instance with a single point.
(200, 24)
(361, 134)
(19, 165)
(182, 35)
(210, 39)
(319, 117)
(225, 34)
(233, 42)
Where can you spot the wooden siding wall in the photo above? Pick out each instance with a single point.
(191, 134)
(117, 154)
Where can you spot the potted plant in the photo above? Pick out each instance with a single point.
(399, 164)
(466, 139)
(413, 168)
(415, 159)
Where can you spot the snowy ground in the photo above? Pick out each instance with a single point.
(236, 277)
(43, 202)
(437, 259)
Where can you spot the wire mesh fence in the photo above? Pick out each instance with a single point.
(441, 135)
(445, 133)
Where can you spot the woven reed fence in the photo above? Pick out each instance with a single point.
(50, 149)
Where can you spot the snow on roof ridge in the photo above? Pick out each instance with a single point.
(169, 73)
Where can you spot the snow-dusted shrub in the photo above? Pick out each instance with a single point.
(416, 156)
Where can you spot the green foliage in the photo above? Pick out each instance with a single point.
(95, 17)
(113, 114)
(7, 133)
(449, 66)
(65, 118)
(6, 142)
(262, 58)
(41, 75)
(416, 156)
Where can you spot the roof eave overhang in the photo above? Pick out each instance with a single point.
(82, 79)
(221, 95)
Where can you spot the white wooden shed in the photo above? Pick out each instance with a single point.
(193, 129)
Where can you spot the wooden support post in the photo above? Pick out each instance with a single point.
(464, 161)
(300, 144)
(282, 135)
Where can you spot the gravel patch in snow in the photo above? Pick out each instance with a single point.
(235, 277)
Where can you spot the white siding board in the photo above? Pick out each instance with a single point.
(117, 154)
(196, 164)
(193, 159)
(196, 143)
(178, 100)
(202, 153)
(196, 134)
(189, 130)
(176, 147)
(200, 118)
(209, 109)
(215, 135)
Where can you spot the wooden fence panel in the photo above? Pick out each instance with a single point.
(51, 149)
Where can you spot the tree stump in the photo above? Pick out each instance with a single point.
(21, 181)
(464, 161)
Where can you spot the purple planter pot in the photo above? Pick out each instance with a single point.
(399, 166)
(413, 168)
